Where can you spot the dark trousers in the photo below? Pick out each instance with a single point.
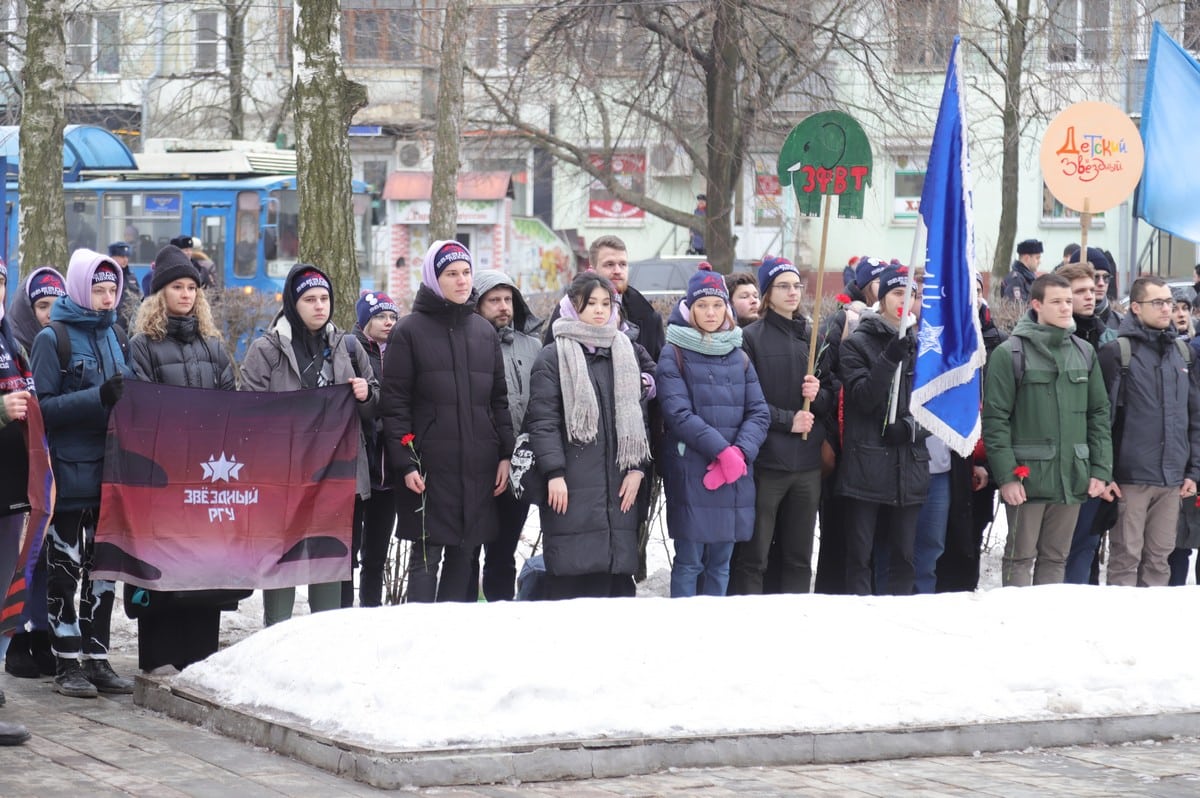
(900, 525)
(785, 512)
(70, 543)
(500, 556)
(1178, 561)
(831, 558)
(590, 586)
(374, 523)
(425, 585)
(177, 636)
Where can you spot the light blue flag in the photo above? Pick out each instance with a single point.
(1167, 197)
(950, 353)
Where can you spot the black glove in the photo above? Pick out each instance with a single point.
(899, 348)
(898, 434)
(112, 389)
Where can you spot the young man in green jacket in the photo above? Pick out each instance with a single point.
(1046, 429)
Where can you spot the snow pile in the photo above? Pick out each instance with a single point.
(420, 676)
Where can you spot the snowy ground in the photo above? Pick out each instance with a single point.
(438, 675)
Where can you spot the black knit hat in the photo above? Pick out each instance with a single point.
(171, 264)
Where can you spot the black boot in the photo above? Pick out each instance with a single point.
(106, 680)
(71, 681)
(39, 646)
(19, 660)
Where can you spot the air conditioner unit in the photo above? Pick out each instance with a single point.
(668, 160)
(414, 155)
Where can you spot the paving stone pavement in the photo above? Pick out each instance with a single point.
(109, 746)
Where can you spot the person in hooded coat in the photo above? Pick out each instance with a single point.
(884, 466)
(500, 302)
(28, 655)
(587, 428)
(716, 419)
(446, 425)
(304, 350)
(75, 405)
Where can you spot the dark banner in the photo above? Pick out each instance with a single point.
(224, 489)
(27, 464)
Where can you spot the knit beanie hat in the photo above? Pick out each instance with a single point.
(1098, 259)
(893, 276)
(706, 282)
(370, 303)
(104, 274)
(47, 283)
(866, 270)
(171, 264)
(309, 279)
(771, 268)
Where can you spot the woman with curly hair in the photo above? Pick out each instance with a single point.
(176, 343)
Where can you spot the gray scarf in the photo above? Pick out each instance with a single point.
(580, 406)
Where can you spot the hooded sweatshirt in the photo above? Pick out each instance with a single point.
(519, 343)
(311, 348)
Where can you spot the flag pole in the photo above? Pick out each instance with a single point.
(917, 252)
(1085, 221)
(812, 334)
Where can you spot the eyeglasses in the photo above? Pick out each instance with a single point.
(1102, 277)
(1159, 304)
(787, 288)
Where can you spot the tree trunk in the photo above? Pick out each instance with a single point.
(721, 86)
(235, 47)
(43, 210)
(443, 206)
(1014, 59)
(325, 103)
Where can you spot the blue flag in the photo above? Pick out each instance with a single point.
(1167, 195)
(950, 353)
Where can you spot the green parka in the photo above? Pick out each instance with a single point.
(1055, 422)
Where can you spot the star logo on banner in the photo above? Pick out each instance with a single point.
(222, 470)
(929, 339)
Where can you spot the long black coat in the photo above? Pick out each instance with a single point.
(182, 358)
(870, 469)
(443, 381)
(593, 536)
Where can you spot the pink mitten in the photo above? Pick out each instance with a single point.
(733, 464)
(714, 478)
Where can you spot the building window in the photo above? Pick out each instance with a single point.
(1077, 31)
(94, 44)
(1191, 25)
(1054, 212)
(208, 40)
(924, 32)
(907, 184)
(379, 31)
(498, 37)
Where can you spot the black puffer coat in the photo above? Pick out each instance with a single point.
(182, 358)
(593, 536)
(871, 469)
(373, 428)
(443, 382)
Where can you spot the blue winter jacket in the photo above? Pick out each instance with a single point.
(76, 421)
(715, 403)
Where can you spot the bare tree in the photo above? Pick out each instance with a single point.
(443, 207)
(325, 104)
(706, 76)
(43, 212)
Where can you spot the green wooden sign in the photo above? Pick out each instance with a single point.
(828, 153)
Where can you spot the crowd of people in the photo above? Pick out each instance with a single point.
(474, 411)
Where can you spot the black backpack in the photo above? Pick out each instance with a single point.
(62, 340)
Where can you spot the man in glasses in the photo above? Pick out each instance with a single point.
(1156, 435)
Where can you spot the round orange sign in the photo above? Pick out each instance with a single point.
(1092, 157)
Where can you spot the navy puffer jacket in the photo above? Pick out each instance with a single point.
(716, 402)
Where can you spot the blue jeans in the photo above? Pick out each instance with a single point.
(931, 533)
(694, 559)
(1083, 546)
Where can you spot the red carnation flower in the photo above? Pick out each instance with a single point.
(1021, 471)
(408, 439)
(843, 299)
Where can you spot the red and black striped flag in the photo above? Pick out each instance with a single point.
(28, 465)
